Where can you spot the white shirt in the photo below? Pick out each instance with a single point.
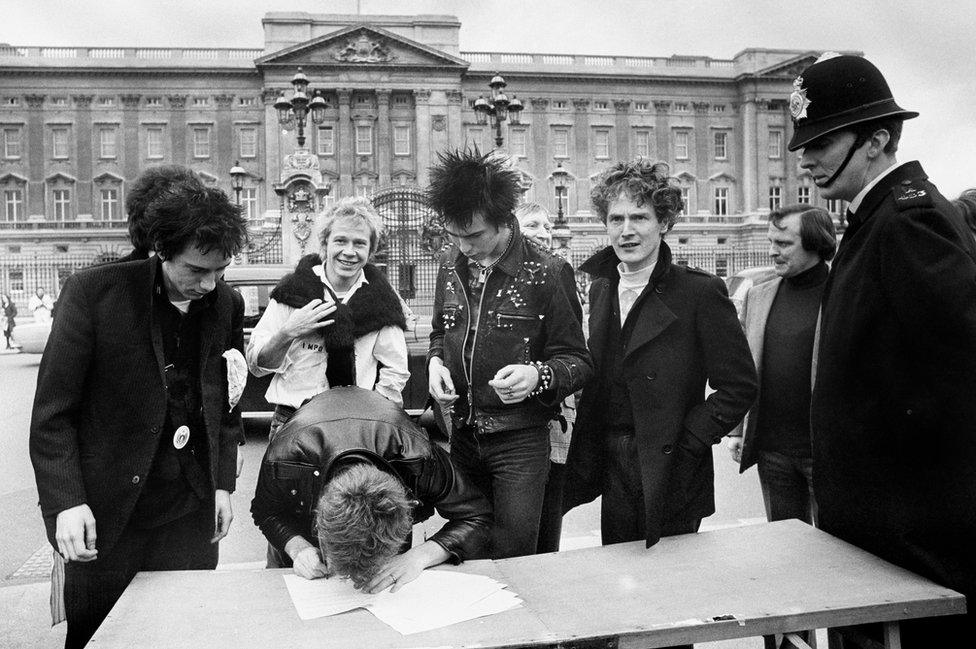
(301, 373)
(856, 203)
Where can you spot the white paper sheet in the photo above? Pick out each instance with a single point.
(435, 599)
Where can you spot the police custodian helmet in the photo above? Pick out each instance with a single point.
(836, 92)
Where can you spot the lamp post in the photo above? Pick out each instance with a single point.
(561, 234)
(237, 175)
(498, 107)
(294, 112)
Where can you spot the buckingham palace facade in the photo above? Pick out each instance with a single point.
(79, 124)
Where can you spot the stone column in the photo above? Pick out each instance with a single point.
(177, 128)
(541, 160)
(750, 155)
(35, 154)
(622, 126)
(347, 149)
(384, 142)
(83, 140)
(130, 136)
(662, 131)
(272, 148)
(226, 155)
(421, 98)
(580, 156)
(455, 131)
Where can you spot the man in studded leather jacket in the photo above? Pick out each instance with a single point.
(506, 345)
(350, 425)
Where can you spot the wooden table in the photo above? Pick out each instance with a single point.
(744, 581)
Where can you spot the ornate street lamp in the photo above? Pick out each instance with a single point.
(294, 113)
(498, 107)
(237, 176)
(561, 234)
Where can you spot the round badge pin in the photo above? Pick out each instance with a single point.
(181, 437)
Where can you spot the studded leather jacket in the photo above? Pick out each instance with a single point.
(353, 422)
(527, 311)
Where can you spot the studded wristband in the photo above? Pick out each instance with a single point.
(545, 378)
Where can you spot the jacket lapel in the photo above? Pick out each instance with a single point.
(759, 303)
(652, 319)
(155, 286)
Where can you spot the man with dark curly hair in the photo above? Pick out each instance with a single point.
(658, 332)
(135, 423)
(147, 188)
(343, 481)
(507, 342)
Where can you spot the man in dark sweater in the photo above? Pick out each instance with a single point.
(780, 319)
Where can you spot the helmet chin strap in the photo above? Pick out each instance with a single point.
(858, 142)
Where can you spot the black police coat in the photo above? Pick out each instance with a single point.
(894, 406)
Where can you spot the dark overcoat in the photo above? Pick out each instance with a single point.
(100, 407)
(894, 405)
(686, 333)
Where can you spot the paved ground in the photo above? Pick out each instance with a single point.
(25, 555)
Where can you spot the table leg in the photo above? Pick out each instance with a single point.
(892, 635)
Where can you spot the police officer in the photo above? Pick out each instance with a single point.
(893, 413)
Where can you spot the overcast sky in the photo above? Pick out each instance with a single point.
(926, 50)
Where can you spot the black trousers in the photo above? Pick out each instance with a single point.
(91, 589)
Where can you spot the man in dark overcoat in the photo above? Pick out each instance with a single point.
(658, 332)
(893, 408)
(135, 427)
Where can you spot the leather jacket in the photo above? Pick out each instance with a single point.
(529, 311)
(351, 421)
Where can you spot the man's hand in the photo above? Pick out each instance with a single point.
(308, 318)
(240, 462)
(306, 559)
(75, 534)
(513, 383)
(439, 383)
(734, 444)
(404, 568)
(223, 512)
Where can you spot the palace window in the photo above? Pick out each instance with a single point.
(401, 140)
(245, 101)
(201, 102)
(201, 142)
(517, 142)
(364, 139)
(685, 199)
(721, 145)
(775, 144)
(153, 102)
(640, 106)
(601, 105)
(13, 204)
(802, 194)
(249, 203)
(721, 206)
(560, 143)
(154, 143)
(61, 199)
(109, 203)
(106, 142)
(12, 143)
(326, 141)
(59, 143)
(601, 144)
(559, 104)
(680, 107)
(249, 142)
(106, 102)
(681, 145)
(775, 197)
(642, 143)
(59, 101)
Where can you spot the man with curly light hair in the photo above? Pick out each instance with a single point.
(658, 332)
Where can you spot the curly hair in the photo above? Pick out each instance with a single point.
(363, 519)
(353, 209)
(643, 182)
(147, 188)
(465, 183)
(187, 213)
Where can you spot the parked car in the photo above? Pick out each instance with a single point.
(31, 335)
(740, 283)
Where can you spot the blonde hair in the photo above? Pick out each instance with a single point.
(353, 209)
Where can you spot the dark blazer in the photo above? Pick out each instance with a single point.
(686, 333)
(894, 405)
(100, 406)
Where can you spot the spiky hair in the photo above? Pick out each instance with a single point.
(465, 182)
(147, 188)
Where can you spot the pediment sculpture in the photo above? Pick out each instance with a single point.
(363, 50)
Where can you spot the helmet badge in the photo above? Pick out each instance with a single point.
(798, 100)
